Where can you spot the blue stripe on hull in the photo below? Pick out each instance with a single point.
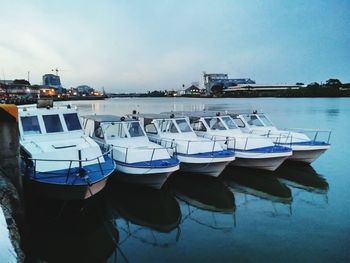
(92, 174)
(216, 154)
(164, 163)
(268, 149)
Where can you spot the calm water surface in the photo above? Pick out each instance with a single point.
(298, 213)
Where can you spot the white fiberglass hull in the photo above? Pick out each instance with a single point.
(206, 166)
(150, 177)
(266, 161)
(268, 164)
(306, 156)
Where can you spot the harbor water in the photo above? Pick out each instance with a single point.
(297, 213)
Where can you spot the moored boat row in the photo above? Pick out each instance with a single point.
(71, 158)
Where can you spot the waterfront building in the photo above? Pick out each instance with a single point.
(192, 90)
(262, 87)
(222, 81)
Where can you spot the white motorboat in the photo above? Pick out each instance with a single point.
(305, 149)
(196, 154)
(251, 151)
(137, 159)
(57, 158)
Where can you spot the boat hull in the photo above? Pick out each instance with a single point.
(65, 192)
(153, 180)
(68, 184)
(210, 169)
(210, 165)
(268, 164)
(306, 156)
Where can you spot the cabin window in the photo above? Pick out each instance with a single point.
(99, 132)
(30, 125)
(183, 125)
(215, 123)
(167, 126)
(199, 126)
(135, 129)
(265, 120)
(151, 128)
(253, 120)
(239, 122)
(52, 123)
(115, 130)
(72, 121)
(229, 122)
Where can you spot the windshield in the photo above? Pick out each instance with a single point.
(265, 120)
(135, 129)
(239, 122)
(253, 120)
(215, 123)
(30, 125)
(183, 125)
(115, 130)
(229, 122)
(72, 121)
(52, 123)
(167, 126)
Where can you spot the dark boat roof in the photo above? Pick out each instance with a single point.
(107, 118)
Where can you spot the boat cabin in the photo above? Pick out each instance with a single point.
(105, 129)
(41, 123)
(165, 124)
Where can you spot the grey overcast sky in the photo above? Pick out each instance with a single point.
(129, 46)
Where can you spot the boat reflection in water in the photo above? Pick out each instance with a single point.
(76, 231)
(303, 176)
(262, 184)
(149, 215)
(203, 193)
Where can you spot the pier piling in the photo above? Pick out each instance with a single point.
(10, 177)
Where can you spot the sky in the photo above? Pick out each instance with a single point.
(140, 45)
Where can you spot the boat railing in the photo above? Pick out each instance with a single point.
(222, 139)
(152, 150)
(314, 134)
(174, 143)
(31, 163)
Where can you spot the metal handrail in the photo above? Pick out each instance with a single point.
(287, 136)
(60, 160)
(159, 141)
(80, 161)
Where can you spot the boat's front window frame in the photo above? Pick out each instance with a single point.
(253, 120)
(120, 131)
(239, 122)
(52, 123)
(265, 120)
(168, 126)
(31, 128)
(229, 122)
(183, 125)
(134, 129)
(72, 121)
(215, 123)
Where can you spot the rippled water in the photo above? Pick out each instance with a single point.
(298, 213)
